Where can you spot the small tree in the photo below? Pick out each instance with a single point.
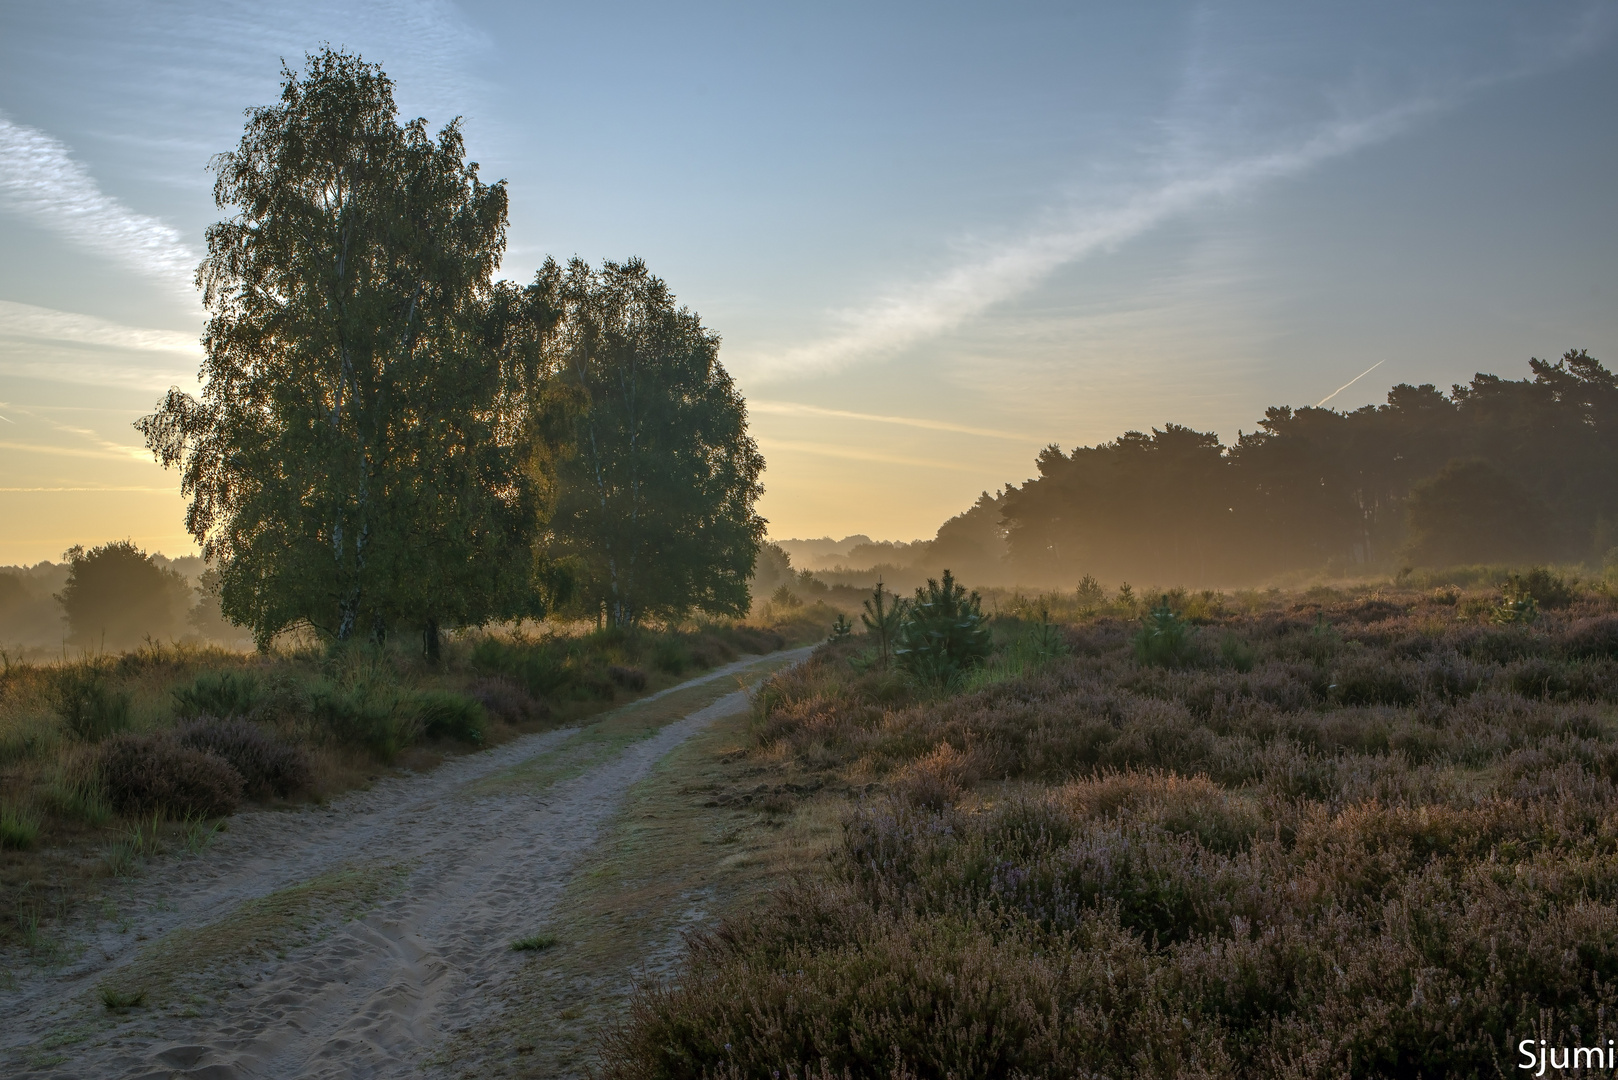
(883, 614)
(943, 634)
(116, 596)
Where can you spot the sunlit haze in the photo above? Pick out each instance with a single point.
(935, 238)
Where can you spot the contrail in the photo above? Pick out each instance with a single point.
(1349, 383)
(792, 408)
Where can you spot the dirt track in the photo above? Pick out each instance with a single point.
(252, 956)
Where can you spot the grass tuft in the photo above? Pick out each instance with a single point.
(535, 943)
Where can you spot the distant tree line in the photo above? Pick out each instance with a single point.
(1498, 470)
(388, 438)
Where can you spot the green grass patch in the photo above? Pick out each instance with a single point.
(534, 943)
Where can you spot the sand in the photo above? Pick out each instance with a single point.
(254, 965)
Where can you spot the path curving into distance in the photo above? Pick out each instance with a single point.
(345, 940)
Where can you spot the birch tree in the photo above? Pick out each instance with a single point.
(651, 472)
(353, 461)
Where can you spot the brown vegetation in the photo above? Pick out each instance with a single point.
(1358, 835)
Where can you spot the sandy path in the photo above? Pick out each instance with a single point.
(471, 871)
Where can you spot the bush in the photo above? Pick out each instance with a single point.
(627, 677)
(1164, 639)
(217, 693)
(540, 666)
(154, 774)
(1237, 653)
(90, 709)
(670, 655)
(943, 634)
(508, 701)
(445, 714)
(365, 713)
(268, 767)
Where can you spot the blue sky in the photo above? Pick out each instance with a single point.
(935, 237)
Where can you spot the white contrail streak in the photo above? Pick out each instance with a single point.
(792, 408)
(968, 290)
(41, 181)
(1349, 383)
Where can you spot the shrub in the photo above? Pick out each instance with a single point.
(671, 656)
(942, 634)
(504, 699)
(268, 767)
(538, 665)
(217, 693)
(445, 714)
(365, 713)
(627, 677)
(1237, 653)
(19, 827)
(90, 709)
(147, 774)
(1548, 590)
(1164, 639)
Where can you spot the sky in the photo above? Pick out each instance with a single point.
(935, 237)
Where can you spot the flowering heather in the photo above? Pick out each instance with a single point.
(1389, 847)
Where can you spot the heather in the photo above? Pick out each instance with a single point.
(1366, 834)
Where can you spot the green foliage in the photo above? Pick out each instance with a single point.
(841, 629)
(1164, 638)
(1236, 653)
(90, 709)
(785, 599)
(78, 799)
(942, 634)
(119, 1000)
(356, 459)
(644, 444)
(1090, 594)
(220, 693)
(445, 714)
(1520, 608)
(116, 597)
(19, 827)
(541, 667)
(534, 943)
(883, 617)
(1547, 589)
(1495, 471)
(367, 711)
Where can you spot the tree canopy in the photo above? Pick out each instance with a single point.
(643, 437)
(1498, 470)
(116, 597)
(357, 458)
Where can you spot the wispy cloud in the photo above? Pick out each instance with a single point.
(848, 453)
(792, 408)
(40, 180)
(48, 324)
(65, 346)
(1223, 142)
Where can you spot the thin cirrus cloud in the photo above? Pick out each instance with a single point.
(792, 408)
(63, 346)
(1192, 170)
(39, 180)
